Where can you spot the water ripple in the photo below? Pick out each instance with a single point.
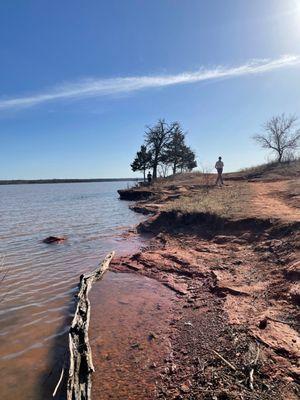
(41, 279)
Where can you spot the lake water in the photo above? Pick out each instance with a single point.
(38, 281)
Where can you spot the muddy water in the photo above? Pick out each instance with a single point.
(128, 331)
(39, 280)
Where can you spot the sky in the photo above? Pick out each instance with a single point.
(80, 80)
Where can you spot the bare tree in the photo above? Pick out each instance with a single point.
(280, 135)
(157, 138)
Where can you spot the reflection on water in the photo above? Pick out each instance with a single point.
(41, 279)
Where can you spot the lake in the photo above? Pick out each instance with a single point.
(38, 281)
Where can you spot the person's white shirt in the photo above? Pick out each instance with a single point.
(219, 164)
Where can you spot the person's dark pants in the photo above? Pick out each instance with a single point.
(220, 177)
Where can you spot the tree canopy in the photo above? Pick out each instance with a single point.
(142, 161)
(165, 147)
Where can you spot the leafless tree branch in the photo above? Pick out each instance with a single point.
(280, 135)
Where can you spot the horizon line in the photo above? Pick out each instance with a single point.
(97, 87)
(65, 180)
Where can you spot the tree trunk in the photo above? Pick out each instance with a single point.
(144, 170)
(154, 175)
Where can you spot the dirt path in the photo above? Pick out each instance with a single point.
(268, 203)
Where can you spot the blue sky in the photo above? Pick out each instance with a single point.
(68, 109)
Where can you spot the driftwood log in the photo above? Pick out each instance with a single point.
(81, 363)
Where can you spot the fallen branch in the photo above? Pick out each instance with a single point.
(81, 364)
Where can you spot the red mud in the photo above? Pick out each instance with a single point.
(129, 332)
(237, 285)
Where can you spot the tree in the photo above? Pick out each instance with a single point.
(175, 147)
(157, 137)
(280, 135)
(188, 159)
(142, 161)
(164, 148)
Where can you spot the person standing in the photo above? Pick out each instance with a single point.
(149, 178)
(219, 167)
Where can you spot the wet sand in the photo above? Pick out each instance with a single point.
(129, 328)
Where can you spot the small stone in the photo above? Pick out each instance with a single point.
(263, 323)
(173, 368)
(184, 388)
(151, 336)
(237, 262)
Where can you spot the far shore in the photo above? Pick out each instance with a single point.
(43, 181)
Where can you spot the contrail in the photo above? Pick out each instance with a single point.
(103, 87)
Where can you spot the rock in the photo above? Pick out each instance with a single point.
(292, 272)
(151, 336)
(134, 194)
(237, 262)
(173, 368)
(54, 239)
(263, 323)
(220, 239)
(294, 294)
(184, 388)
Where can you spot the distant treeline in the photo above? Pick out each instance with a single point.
(41, 181)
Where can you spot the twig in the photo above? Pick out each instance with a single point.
(59, 382)
(225, 361)
(257, 355)
(251, 380)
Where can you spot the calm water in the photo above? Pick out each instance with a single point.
(40, 279)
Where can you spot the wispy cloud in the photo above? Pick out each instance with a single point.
(103, 87)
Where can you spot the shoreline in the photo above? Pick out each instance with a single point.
(228, 339)
(55, 181)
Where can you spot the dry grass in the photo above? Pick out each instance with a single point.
(188, 178)
(292, 194)
(272, 170)
(229, 201)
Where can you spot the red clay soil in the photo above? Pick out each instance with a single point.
(235, 329)
(271, 200)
